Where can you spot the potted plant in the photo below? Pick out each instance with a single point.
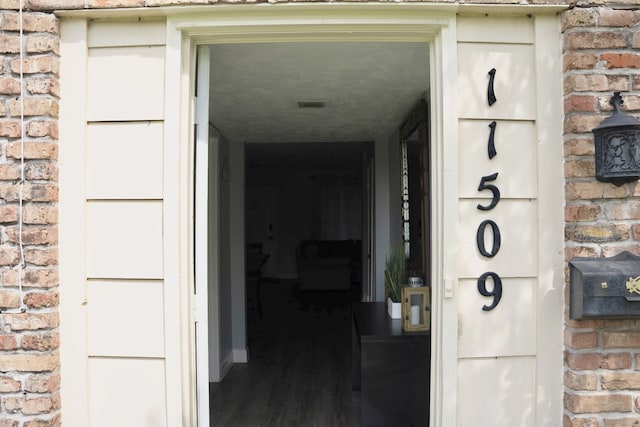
(394, 277)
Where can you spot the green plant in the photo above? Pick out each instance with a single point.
(395, 273)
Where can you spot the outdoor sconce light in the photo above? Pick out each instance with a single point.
(617, 141)
(416, 309)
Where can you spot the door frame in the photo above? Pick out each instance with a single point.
(206, 278)
(418, 121)
(189, 27)
(367, 291)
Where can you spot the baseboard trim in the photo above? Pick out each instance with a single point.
(240, 356)
(226, 364)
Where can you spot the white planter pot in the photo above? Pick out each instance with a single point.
(394, 309)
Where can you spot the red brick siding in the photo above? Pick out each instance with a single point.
(29, 341)
(602, 358)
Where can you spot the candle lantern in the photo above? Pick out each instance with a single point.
(617, 146)
(416, 309)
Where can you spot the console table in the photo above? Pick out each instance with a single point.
(390, 367)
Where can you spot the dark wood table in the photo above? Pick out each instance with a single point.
(390, 367)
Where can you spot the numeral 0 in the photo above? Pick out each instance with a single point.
(495, 247)
(496, 292)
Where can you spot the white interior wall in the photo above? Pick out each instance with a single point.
(382, 203)
(225, 242)
(262, 222)
(210, 227)
(237, 250)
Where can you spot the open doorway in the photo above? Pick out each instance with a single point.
(269, 98)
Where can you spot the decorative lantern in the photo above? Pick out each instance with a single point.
(416, 309)
(617, 141)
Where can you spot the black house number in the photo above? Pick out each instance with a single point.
(480, 238)
(495, 292)
(495, 191)
(485, 184)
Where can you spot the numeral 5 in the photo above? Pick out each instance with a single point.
(494, 190)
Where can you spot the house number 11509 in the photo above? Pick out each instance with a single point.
(485, 184)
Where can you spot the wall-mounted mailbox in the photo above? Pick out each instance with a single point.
(605, 287)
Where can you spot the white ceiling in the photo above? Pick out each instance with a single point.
(368, 88)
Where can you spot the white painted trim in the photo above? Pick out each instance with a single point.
(71, 206)
(550, 296)
(444, 164)
(395, 24)
(178, 229)
(240, 356)
(202, 274)
(185, 11)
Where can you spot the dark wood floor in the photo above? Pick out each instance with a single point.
(299, 373)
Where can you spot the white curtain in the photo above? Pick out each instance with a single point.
(337, 208)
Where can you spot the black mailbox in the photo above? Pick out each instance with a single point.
(605, 287)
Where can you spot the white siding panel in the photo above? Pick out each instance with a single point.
(126, 393)
(517, 256)
(124, 160)
(513, 29)
(134, 33)
(124, 239)
(514, 72)
(507, 330)
(125, 83)
(515, 143)
(504, 355)
(125, 318)
(496, 392)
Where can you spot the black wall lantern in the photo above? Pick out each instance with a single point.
(617, 141)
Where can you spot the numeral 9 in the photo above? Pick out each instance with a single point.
(496, 292)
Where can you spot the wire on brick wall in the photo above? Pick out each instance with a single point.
(20, 267)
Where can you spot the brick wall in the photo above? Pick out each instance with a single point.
(29, 362)
(602, 358)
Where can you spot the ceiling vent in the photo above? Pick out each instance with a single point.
(311, 104)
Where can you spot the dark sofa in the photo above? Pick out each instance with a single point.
(327, 264)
